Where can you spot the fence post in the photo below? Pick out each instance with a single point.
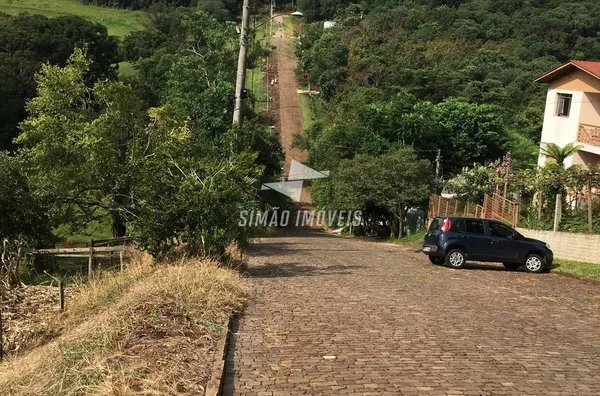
(484, 209)
(91, 259)
(495, 205)
(61, 295)
(516, 215)
(557, 211)
(1, 339)
(121, 259)
(589, 205)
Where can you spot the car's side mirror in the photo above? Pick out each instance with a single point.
(511, 237)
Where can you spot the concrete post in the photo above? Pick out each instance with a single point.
(557, 211)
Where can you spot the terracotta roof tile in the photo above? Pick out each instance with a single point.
(590, 67)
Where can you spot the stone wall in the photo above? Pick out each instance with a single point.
(567, 245)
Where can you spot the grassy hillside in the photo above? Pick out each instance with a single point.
(122, 330)
(118, 21)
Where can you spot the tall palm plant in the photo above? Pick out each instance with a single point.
(559, 154)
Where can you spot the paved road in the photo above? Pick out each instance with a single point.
(339, 316)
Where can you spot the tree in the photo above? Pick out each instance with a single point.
(472, 183)
(188, 194)
(77, 143)
(391, 181)
(24, 222)
(557, 153)
(27, 42)
(470, 134)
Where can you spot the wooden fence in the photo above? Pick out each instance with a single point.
(440, 206)
(494, 207)
(106, 248)
(97, 248)
(497, 207)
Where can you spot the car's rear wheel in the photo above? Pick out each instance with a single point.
(456, 258)
(534, 263)
(436, 260)
(512, 266)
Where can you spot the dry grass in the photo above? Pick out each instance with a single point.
(150, 330)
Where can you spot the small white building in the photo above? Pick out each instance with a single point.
(572, 112)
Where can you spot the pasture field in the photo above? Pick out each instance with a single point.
(119, 22)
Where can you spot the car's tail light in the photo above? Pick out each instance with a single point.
(446, 224)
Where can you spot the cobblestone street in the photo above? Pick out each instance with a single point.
(337, 316)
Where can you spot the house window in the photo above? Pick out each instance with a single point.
(563, 106)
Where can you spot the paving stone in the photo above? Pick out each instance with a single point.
(397, 323)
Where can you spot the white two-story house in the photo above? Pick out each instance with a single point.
(572, 111)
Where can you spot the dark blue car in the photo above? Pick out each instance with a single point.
(454, 240)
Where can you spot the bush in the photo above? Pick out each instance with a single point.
(23, 221)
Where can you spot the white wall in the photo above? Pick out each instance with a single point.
(561, 130)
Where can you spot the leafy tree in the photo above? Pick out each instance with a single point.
(28, 41)
(77, 143)
(472, 183)
(476, 52)
(24, 223)
(524, 151)
(471, 134)
(189, 195)
(139, 4)
(391, 182)
(222, 10)
(328, 63)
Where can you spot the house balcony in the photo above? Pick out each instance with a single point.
(589, 134)
(588, 137)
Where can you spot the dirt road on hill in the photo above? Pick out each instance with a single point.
(290, 112)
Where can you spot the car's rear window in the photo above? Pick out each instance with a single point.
(436, 224)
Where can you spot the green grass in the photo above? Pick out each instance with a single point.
(289, 26)
(577, 268)
(260, 30)
(119, 22)
(254, 76)
(312, 109)
(94, 230)
(47, 269)
(412, 239)
(255, 83)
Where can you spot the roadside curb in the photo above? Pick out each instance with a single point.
(214, 386)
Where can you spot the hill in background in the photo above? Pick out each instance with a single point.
(119, 21)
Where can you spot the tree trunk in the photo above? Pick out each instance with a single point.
(394, 228)
(119, 228)
(400, 221)
(122, 191)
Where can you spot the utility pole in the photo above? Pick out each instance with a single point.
(271, 24)
(241, 67)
